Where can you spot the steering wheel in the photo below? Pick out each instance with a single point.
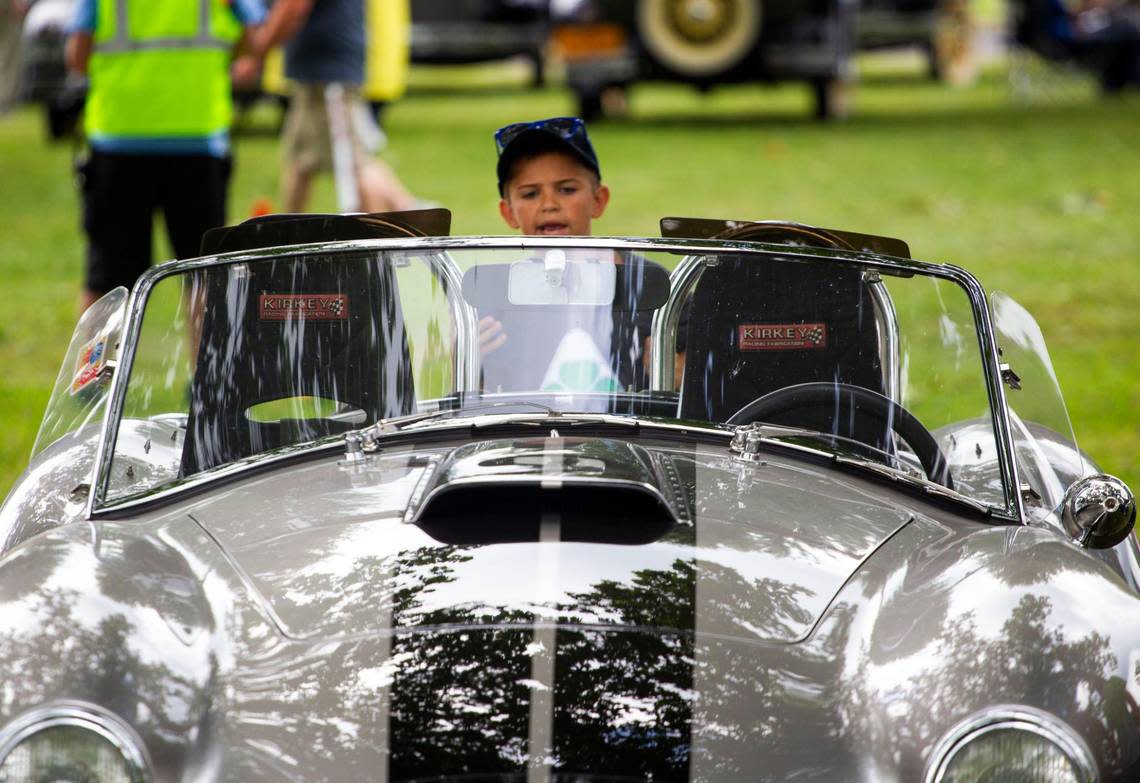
(866, 403)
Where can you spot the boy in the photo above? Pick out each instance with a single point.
(549, 179)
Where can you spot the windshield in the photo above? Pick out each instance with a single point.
(234, 361)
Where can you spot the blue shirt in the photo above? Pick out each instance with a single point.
(330, 45)
(247, 12)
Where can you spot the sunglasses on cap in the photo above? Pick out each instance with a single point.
(570, 129)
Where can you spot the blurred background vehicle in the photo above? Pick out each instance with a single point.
(471, 31)
(608, 45)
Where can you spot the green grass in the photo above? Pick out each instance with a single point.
(1039, 200)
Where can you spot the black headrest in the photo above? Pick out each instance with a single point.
(280, 230)
(760, 324)
(782, 232)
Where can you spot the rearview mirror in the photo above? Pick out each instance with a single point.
(1099, 511)
(557, 278)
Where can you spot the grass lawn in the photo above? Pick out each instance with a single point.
(1039, 200)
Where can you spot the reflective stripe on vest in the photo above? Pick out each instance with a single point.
(161, 69)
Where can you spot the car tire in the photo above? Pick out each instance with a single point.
(699, 38)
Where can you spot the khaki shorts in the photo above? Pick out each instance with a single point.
(306, 138)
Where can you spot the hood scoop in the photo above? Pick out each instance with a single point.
(591, 490)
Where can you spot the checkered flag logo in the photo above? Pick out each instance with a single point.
(814, 335)
(337, 306)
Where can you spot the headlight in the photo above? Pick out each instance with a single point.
(1011, 744)
(70, 744)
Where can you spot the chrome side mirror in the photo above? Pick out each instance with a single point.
(1098, 512)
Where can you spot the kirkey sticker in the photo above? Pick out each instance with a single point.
(782, 337)
(311, 307)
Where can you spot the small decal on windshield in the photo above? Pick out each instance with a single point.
(90, 363)
(782, 337)
(313, 307)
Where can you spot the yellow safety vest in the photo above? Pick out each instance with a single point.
(160, 69)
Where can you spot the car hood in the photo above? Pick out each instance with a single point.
(739, 550)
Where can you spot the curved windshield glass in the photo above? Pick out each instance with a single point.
(79, 396)
(1045, 448)
(239, 360)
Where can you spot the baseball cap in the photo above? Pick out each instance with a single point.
(568, 133)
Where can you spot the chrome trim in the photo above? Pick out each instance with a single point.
(467, 360)
(1016, 717)
(750, 440)
(648, 425)
(81, 715)
(333, 444)
(666, 321)
(1131, 557)
(128, 338)
(887, 323)
(692, 249)
(999, 406)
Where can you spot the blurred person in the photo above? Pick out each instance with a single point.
(12, 14)
(1109, 30)
(157, 122)
(325, 61)
(1102, 34)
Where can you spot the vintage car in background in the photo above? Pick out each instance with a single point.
(472, 31)
(609, 45)
(350, 499)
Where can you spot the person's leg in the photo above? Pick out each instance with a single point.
(194, 198)
(380, 190)
(377, 186)
(296, 184)
(303, 142)
(118, 207)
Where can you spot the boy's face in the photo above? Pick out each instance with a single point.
(553, 194)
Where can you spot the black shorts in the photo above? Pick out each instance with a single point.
(120, 196)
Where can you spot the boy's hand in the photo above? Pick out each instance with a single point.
(491, 335)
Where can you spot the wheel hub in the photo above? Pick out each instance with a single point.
(701, 20)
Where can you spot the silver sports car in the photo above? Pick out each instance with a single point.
(347, 499)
